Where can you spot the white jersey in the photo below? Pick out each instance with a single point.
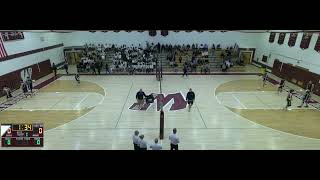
(135, 139)
(156, 146)
(143, 144)
(174, 139)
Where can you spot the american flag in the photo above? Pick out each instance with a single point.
(3, 52)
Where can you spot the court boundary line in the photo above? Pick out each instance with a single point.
(234, 97)
(283, 132)
(124, 104)
(103, 97)
(195, 103)
(78, 104)
(54, 109)
(255, 94)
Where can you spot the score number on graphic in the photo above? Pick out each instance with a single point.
(22, 135)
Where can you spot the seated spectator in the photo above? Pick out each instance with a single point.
(205, 47)
(156, 145)
(7, 91)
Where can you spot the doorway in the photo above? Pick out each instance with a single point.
(73, 57)
(246, 56)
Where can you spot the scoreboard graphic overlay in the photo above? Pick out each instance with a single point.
(22, 135)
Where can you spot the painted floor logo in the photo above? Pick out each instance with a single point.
(175, 101)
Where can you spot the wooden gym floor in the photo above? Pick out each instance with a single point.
(230, 112)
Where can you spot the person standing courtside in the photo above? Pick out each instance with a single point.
(136, 140)
(310, 86)
(156, 146)
(174, 140)
(54, 68)
(77, 78)
(306, 98)
(264, 79)
(190, 98)
(66, 67)
(30, 84)
(185, 70)
(281, 85)
(24, 88)
(142, 143)
(140, 98)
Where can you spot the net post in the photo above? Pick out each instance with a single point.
(161, 124)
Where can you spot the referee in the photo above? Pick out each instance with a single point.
(136, 140)
(139, 96)
(156, 145)
(174, 140)
(142, 143)
(190, 98)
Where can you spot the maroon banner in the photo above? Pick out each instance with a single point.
(281, 38)
(36, 71)
(272, 37)
(305, 41)
(317, 46)
(12, 35)
(292, 39)
(164, 33)
(152, 33)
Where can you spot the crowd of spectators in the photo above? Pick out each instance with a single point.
(138, 58)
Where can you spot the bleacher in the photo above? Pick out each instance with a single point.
(214, 59)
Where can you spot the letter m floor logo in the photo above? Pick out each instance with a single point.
(178, 102)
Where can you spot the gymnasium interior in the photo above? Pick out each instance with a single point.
(77, 90)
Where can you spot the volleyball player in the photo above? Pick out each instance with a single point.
(77, 77)
(306, 98)
(185, 70)
(289, 99)
(264, 79)
(281, 85)
(190, 98)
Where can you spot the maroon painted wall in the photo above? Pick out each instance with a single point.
(12, 80)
